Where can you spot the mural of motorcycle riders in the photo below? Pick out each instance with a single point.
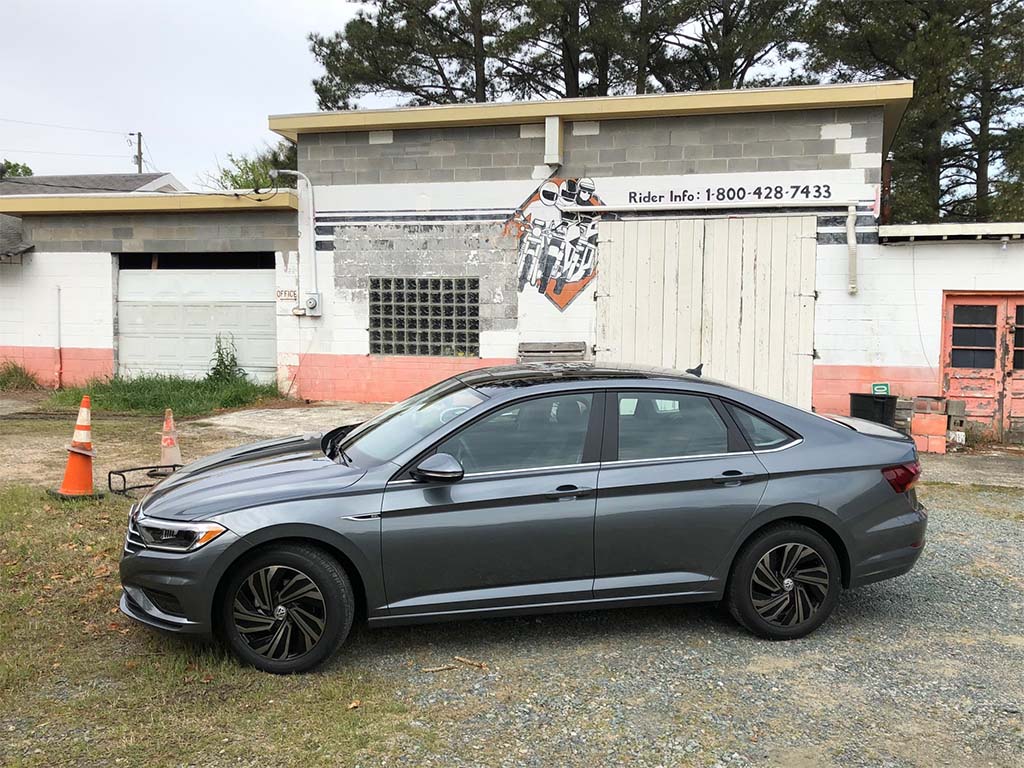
(557, 242)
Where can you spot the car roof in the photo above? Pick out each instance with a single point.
(537, 374)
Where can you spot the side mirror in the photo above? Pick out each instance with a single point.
(439, 468)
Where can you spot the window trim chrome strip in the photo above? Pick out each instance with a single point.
(618, 463)
(506, 472)
(791, 444)
(672, 459)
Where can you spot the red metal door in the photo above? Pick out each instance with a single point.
(1014, 382)
(978, 358)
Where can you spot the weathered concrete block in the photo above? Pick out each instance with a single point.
(833, 162)
(626, 169)
(757, 149)
(742, 164)
(428, 163)
(821, 146)
(727, 150)
(640, 154)
(718, 165)
(697, 151)
(787, 148)
(669, 152)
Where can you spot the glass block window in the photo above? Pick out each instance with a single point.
(435, 316)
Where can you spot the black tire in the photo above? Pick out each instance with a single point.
(781, 604)
(309, 593)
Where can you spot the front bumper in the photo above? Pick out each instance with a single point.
(175, 592)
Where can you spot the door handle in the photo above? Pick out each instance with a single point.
(731, 477)
(568, 492)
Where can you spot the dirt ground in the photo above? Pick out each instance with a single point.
(31, 448)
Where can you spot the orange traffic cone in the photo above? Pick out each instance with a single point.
(78, 473)
(170, 453)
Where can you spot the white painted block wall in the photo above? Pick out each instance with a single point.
(895, 318)
(28, 300)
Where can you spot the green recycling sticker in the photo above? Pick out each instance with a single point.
(880, 388)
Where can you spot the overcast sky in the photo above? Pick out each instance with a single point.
(197, 77)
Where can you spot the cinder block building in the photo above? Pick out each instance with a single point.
(103, 283)
(738, 229)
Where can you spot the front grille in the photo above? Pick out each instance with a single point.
(165, 602)
(133, 540)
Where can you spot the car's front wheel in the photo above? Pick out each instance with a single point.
(785, 582)
(287, 609)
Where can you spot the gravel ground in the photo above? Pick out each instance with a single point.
(924, 670)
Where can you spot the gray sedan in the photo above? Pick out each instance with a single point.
(526, 489)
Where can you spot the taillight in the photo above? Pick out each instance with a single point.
(903, 476)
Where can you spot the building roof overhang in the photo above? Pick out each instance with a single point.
(892, 96)
(154, 202)
(908, 233)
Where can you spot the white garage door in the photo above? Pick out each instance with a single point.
(168, 320)
(736, 294)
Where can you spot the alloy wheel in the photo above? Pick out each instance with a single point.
(790, 582)
(279, 612)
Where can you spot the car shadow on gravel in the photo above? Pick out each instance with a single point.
(544, 633)
(860, 613)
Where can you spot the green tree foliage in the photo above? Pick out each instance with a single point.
(11, 168)
(721, 44)
(452, 51)
(965, 59)
(426, 51)
(253, 171)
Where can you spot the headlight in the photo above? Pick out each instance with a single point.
(176, 537)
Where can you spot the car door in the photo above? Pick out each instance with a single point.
(517, 529)
(677, 485)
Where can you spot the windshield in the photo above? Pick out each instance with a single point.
(403, 424)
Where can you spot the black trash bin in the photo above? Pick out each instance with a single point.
(878, 408)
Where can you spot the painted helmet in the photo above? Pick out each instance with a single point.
(548, 193)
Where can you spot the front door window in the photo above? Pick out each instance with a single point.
(532, 434)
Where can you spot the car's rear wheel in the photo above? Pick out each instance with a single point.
(785, 582)
(287, 609)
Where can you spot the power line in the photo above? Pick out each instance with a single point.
(44, 152)
(64, 127)
(149, 156)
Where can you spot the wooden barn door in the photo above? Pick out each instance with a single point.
(736, 294)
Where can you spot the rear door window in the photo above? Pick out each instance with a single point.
(658, 425)
(760, 433)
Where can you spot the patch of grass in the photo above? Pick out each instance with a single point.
(16, 378)
(82, 685)
(152, 394)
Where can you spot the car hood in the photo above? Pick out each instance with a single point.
(253, 475)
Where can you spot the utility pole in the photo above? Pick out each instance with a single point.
(138, 153)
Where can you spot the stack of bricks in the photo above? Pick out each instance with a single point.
(904, 414)
(928, 426)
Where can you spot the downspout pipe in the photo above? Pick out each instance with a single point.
(299, 309)
(60, 346)
(851, 247)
